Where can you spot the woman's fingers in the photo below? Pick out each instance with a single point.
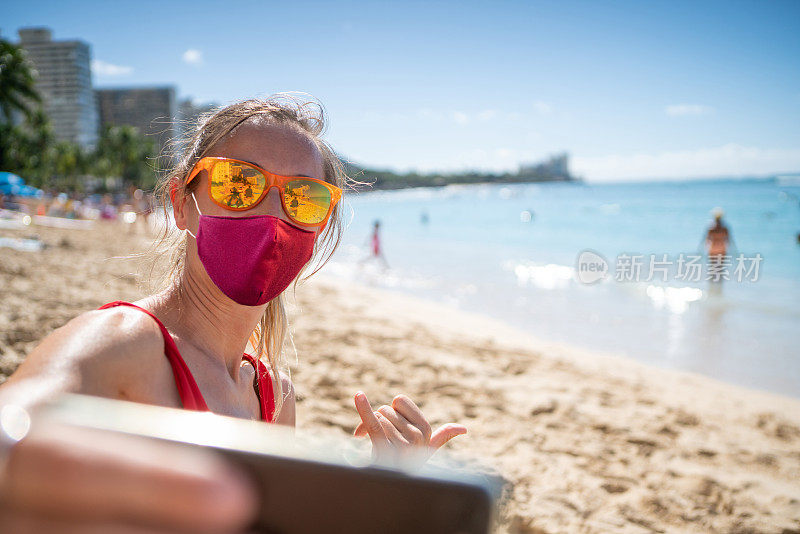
(390, 428)
(361, 430)
(411, 412)
(402, 426)
(78, 475)
(407, 417)
(410, 433)
(372, 425)
(33, 523)
(445, 433)
(409, 420)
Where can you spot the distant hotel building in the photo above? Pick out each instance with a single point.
(151, 110)
(65, 82)
(554, 169)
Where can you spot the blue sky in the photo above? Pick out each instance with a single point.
(631, 90)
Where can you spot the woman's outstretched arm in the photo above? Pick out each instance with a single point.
(78, 480)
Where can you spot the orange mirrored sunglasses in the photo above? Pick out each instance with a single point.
(239, 185)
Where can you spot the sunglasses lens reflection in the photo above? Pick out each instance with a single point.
(236, 185)
(306, 201)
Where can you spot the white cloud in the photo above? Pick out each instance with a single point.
(460, 117)
(542, 108)
(193, 57)
(679, 110)
(429, 114)
(102, 68)
(726, 160)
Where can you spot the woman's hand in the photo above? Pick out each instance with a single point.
(401, 431)
(71, 480)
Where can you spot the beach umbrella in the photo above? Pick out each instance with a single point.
(29, 191)
(7, 178)
(11, 184)
(20, 190)
(10, 189)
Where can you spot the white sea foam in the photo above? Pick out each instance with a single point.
(675, 299)
(547, 276)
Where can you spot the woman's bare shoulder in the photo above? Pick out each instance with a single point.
(108, 352)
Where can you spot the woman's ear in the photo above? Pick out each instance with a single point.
(178, 208)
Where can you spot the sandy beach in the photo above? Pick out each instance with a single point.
(587, 442)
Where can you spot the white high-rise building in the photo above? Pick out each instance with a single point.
(64, 79)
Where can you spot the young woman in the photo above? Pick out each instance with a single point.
(256, 196)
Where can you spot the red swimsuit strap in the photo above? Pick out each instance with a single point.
(187, 387)
(265, 392)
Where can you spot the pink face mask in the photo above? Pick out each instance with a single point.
(252, 259)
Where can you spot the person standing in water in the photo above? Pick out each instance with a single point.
(717, 240)
(717, 237)
(374, 242)
(377, 251)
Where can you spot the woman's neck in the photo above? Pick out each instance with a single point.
(197, 312)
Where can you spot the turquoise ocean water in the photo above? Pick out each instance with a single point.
(480, 252)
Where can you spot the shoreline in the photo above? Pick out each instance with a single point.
(494, 330)
(740, 331)
(632, 447)
(587, 441)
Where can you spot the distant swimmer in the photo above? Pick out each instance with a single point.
(376, 252)
(526, 216)
(717, 240)
(718, 236)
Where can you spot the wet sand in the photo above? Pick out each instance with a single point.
(587, 442)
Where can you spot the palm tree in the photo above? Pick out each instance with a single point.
(123, 152)
(17, 78)
(70, 162)
(25, 145)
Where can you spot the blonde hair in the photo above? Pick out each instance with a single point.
(307, 117)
